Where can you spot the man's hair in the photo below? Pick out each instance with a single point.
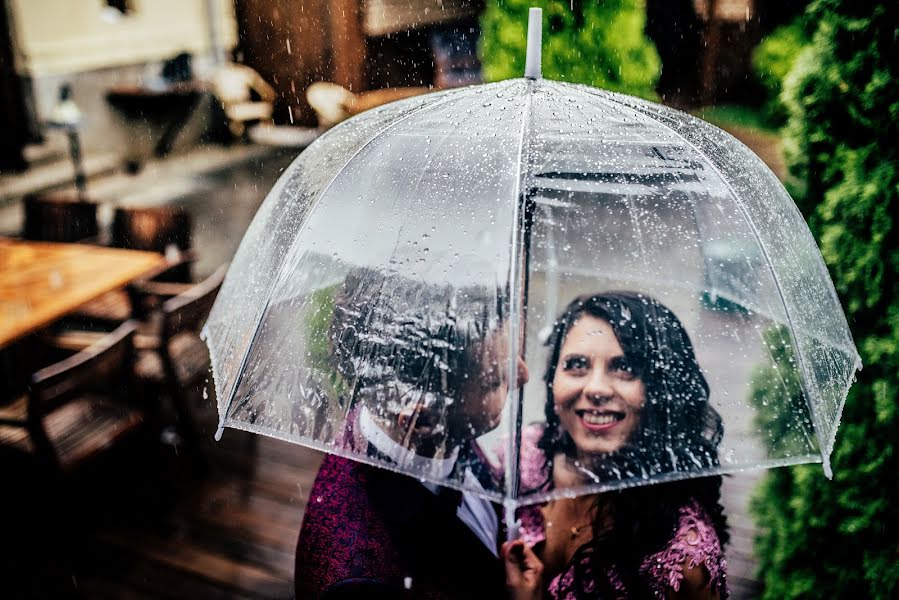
(398, 342)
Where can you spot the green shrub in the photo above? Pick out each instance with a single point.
(840, 538)
(772, 60)
(597, 43)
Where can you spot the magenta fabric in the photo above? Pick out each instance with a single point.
(342, 536)
(375, 527)
(695, 542)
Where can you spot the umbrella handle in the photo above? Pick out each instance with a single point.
(513, 525)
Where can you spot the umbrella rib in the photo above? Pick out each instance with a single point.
(446, 97)
(514, 440)
(803, 370)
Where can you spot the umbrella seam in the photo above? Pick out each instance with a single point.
(441, 99)
(803, 367)
(499, 498)
(563, 493)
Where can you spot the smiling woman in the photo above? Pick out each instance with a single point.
(625, 393)
(625, 398)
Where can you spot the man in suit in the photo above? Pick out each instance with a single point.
(418, 403)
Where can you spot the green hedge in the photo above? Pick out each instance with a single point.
(772, 60)
(840, 538)
(597, 43)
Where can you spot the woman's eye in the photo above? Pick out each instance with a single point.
(575, 363)
(623, 369)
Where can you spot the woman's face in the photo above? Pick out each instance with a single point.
(597, 396)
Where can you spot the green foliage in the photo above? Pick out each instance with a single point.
(781, 409)
(772, 60)
(316, 327)
(736, 115)
(598, 43)
(840, 538)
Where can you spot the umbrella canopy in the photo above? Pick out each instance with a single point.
(672, 307)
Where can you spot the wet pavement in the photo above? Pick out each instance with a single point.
(224, 204)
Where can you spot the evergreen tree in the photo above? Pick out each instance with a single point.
(840, 538)
(598, 43)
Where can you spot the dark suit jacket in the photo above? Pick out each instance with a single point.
(366, 529)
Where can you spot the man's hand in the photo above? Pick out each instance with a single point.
(524, 571)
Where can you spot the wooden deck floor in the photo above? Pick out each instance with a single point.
(230, 534)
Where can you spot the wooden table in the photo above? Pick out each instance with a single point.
(41, 282)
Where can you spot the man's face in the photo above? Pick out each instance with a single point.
(484, 392)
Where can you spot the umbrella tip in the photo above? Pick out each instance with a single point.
(219, 432)
(532, 69)
(828, 471)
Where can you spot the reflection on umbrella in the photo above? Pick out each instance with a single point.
(429, 243)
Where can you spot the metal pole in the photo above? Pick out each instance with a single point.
(75, 151)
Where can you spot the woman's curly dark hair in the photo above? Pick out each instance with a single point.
(679, 432)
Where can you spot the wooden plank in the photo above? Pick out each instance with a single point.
(127, 574)
(189, 559)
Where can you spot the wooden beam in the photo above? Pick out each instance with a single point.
(347, 44)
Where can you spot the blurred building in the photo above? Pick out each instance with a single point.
(96, 46)
(99, 45)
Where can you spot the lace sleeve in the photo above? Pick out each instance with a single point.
(695, 543)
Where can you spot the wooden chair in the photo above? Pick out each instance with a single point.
(78, 407)
(162, 229)
(171, 357)
(59, 217)
(245, 97)
(154, 229)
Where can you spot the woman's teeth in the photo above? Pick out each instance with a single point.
(599, 419)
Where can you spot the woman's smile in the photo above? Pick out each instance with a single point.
(596, 420)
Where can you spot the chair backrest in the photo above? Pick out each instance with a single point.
(104, 364)
(153, 229)
(188, 310)
(59, 217)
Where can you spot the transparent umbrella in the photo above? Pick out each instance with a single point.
(670, 303)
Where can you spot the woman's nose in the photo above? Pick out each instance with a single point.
(524, 375)
(598, 386)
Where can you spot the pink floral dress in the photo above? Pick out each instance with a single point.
(694, 543)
